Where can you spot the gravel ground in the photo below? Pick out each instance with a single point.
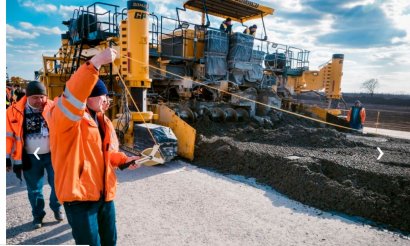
(318, 166)
(181, 204)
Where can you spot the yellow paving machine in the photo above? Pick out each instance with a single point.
(172, 72)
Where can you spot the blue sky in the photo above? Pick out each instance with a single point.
(372, 34)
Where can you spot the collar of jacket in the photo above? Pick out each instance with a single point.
(21, 104)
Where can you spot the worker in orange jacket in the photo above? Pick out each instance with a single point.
(27, 137)
(85, 156)
(356, 116)
(8, 97)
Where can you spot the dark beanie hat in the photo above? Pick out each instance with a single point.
(35, 88)
(99, 89)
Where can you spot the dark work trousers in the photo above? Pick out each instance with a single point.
(92, 223)
(35, 179)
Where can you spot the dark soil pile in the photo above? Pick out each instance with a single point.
(317, 166)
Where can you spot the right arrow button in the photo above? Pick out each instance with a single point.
(381, 153)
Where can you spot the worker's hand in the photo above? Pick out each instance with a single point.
(105, 57)
(134, 165)
(8, 165)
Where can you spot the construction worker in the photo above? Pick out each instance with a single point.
(18, 94)
(84, 158)
(8, 97)
(27, 136)
(356, 116)
(226, 26)
(251, 30)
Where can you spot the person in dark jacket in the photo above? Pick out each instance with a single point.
(251, 30)
(356, 116)
(226, 26)
(18, 94)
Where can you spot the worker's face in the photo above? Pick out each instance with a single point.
(37, 101)
(97, 104)
(106, 104)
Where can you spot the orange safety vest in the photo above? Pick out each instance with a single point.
(14, 129)
(362, 115)
(83, 162)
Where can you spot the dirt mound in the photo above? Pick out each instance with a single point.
(286, 131)
(296, 136)
(317, 166)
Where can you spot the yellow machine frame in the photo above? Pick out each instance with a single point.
(327, 78)
(132, 66)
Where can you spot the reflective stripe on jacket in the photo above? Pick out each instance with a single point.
(14, 129)
(83, 162)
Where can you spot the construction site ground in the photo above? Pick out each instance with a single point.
(181, 204)
(315, 165)
(287, 181)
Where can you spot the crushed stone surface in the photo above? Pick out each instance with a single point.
(181, 204)
(322, 167)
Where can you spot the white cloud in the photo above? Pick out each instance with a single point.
(289, 5)
(27, 56)
(40, 29)
(163, 9)
(36, 51)
(389, 65)
(25, 46)
(358, 3)
(13, 33)
(156, 1)
(45, 8)
(66, 10)
(190, 16)
(395, 10)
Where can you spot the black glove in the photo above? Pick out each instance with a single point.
(17, 169)
(8, 162)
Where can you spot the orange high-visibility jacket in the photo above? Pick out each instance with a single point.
(83, 162)
(14, 129)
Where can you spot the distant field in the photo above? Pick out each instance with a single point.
(390, 117)
(394, 110)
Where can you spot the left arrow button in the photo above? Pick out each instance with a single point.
(35, 153)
